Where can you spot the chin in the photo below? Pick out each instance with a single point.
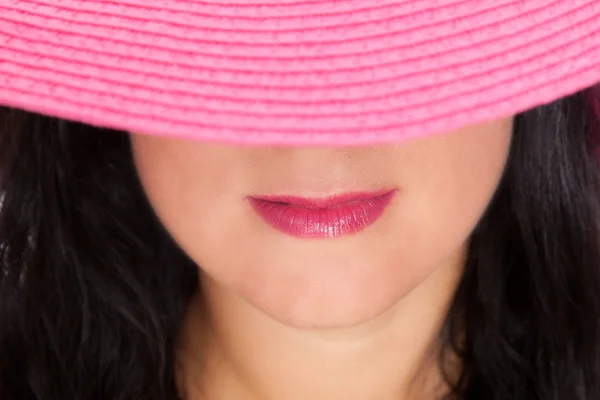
(334, 309)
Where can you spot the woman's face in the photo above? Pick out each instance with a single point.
(200, 192)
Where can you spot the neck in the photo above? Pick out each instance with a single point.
(233, 350)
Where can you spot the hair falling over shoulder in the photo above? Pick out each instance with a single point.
(88, 309)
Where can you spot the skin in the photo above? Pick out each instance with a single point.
(353, 317)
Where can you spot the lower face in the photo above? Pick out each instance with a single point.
(310, 273)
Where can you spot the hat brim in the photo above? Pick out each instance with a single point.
(291, 72)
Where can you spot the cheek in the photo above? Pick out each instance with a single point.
(191, 190)
(452, 183)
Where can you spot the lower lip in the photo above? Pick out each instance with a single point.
(338, 220)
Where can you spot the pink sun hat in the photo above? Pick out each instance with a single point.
(294, 72)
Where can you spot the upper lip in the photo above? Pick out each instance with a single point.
(324, 202)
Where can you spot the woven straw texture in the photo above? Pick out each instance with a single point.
(294, 71)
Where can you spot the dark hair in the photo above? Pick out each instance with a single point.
(88, 309)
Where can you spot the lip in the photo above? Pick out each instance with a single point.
(332, 216)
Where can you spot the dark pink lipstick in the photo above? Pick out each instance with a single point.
(324, 217)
